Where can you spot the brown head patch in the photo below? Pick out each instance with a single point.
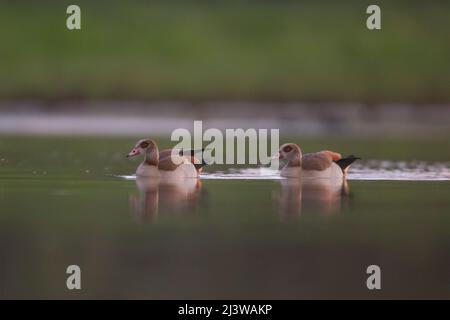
(144, 144)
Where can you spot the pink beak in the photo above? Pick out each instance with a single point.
(276, 156)
(133, 153)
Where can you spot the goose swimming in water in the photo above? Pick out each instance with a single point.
(319, 165)
(164, 164)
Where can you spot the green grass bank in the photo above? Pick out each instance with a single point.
(227, 50)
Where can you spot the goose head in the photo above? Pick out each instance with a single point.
(291, 152)
(147, 147)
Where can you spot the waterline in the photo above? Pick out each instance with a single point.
(370, 170)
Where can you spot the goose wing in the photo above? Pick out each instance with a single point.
(165, 160)
(319, 160)
(166, 163)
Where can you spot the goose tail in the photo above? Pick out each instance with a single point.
(345, 163)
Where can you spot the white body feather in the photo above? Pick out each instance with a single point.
(332, 172)
(185, 170)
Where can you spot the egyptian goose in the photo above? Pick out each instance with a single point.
(163, 164)
(319, 165)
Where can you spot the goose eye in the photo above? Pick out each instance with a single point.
(287, 149)
(144, 145)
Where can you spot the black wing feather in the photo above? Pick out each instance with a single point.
(344, 163)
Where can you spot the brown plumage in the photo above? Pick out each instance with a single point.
(319, 164)
(164, 162)
(162, 159)
(319, 160)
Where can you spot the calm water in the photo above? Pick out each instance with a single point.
(235, 233)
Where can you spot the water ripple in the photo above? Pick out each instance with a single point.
(369, 170)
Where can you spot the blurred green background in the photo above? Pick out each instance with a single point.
(226, 50)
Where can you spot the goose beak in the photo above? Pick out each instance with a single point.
(276, 156)
(133, 153)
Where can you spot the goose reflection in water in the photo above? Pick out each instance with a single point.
(177, 196)
(299, 196)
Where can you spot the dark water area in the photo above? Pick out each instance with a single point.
(231, 234)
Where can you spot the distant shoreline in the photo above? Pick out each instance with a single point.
(160, 118)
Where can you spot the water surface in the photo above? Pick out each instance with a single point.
(235, 233)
